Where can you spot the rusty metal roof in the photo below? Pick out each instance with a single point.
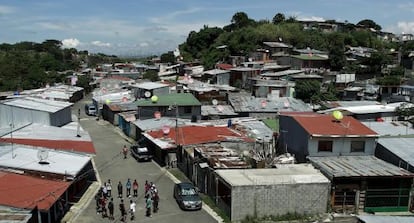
(357, 166)
(219, 157)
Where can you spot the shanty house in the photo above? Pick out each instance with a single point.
(22, 111)
(295, 188)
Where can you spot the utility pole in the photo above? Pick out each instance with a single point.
(78, 127)
(176, 123)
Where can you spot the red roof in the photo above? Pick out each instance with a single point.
(27, 192)
(68, 145)
(316, 124)
(224, 66)
(190, 135)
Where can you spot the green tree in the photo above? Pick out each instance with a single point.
(83, 81)
(278, 18)
(368, 23)
(291, 19)
(151, 75)
(406, 111)
(168, 57)
(306, 89)
(336, 48)
(238, 21)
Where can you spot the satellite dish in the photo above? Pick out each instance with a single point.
(214, 101)
(147, 94)
(42, 156)
(338, 116)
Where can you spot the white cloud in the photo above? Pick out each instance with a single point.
(171, 16)
(405, 27)
(6, 10)
(407, 6)
(100, 44)
(54, 25)
(310, 18)
(70, 43)
(144, 44)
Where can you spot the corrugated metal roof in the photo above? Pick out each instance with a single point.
(325, 125)
(191, 135)
(401, 147)
(256, 129)
(28, 192)
(357, 166)
(219, 157)
(281, 73)
(52, 137)
(150, 85)
(309, 57)
(180, 99)
(390, 128)
(14, 215)
(26, 158)
(283, 174)
(277, 44)
(243, 103)
(385, 219)
(216, 72)
(149, 124)
(207, 110)
(38, 104)
(364, 109)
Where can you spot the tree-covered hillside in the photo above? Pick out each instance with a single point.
(244, 35)
(29, 65)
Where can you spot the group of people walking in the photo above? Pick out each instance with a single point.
(105, 199)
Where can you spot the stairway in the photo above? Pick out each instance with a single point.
(361, 202)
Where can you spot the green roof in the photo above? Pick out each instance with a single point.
(308, 57)
(272, 124)
(180, 99)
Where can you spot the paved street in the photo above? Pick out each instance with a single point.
(111, 165)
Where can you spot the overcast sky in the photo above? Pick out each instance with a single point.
(142, 27)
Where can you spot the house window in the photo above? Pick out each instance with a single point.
(187, 109)
(357, 146)
(325, 146)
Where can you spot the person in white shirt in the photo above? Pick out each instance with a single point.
(109, 188)
(132, 206)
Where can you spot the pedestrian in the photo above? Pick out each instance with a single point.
(111, 209)
(135, 188)
(146, 186)
(120, 189)
(104, 191)
(103, 207)
(148, 206)
(155, 199)
(132, 209)
(109, 188)
(98, 202)
(128, 187)
(125, 151)
(122, 210)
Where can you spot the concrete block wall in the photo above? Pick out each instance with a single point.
(279, 199)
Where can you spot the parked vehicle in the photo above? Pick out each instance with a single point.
(90, 109)
(187, 196)
(140, 153)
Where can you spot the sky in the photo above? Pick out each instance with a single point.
(147, 27)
